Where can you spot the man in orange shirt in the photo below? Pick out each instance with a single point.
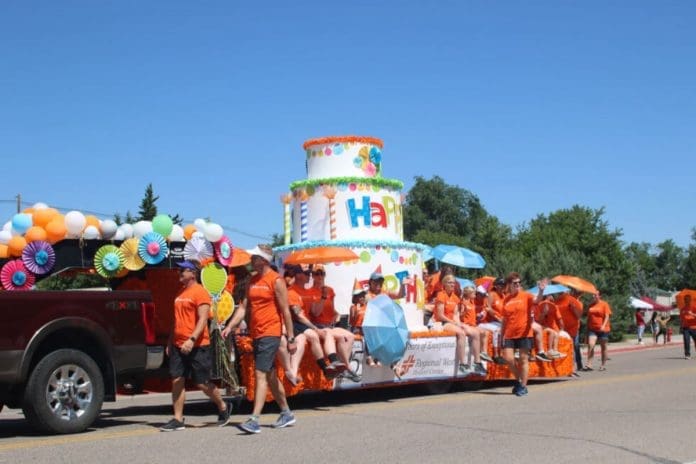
(598, 328)
(517, 329)
(189, 347)
(571, 310)
(687, 314)
(267, 302)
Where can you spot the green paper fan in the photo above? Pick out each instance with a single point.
(214, 278)
(108, 261)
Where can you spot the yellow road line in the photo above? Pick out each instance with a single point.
(69, 439)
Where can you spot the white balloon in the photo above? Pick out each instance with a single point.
(126, 230)
(75, 222)
(200, 224)
(7, 226)
(213, 232)
(141, 228)
(198, 233)
(119, 235)
(177, 234)
(108, 228)
(90, 233)
(5, 236)
(40, 205)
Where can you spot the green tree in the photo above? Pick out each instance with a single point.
(642, 264)
(689, 268)
(669, 262)
(148, 206)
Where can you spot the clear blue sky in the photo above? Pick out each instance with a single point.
(533, 106)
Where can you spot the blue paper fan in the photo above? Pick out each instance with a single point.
(108, 260)
(153, 248)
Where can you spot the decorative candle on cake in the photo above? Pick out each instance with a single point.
(286, 199)
(330, 193)
(303, 215)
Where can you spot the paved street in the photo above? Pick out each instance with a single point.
(641, 410)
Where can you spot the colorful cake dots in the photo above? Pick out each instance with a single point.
(357, 162)
(342, 186)
(352, 187)
(373, 251)
(401, 259)
(365, 257)
(327, 151)
(337, 148)
(394, 256)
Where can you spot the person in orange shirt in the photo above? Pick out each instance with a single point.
(357, 315)
(517, 329)
(570, 308)
(375, 287)
(493, 318)
(189, 347)
(447, 313)
(471, 307)
(550, 319)
(598, 328)
(687, 316)
(267, 302)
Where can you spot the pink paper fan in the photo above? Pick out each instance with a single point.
(39, 257)
(15, 276)
(223, 250)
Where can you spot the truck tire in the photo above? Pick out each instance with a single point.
(65, 393)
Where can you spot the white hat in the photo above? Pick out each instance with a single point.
(256, 251)
(481, 289)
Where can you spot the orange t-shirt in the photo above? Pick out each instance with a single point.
(688, 320)
(467, 314)
(450, 303)
(359, 315)
(517, 315)
(265, 318)
(565, 304)
(497, 306)
(328, 312)
(186, 306)
(595, 316)
(295, 301)
(551, 320)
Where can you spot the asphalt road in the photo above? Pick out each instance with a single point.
(641, 410)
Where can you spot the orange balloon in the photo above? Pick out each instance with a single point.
(35, 233)
(16, 245)
(188, 231)
(29, 210)
(43, 216)
(4, 252)
(55, 230)
(92, 221)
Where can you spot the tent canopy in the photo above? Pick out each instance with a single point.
(655, 305)
(639, 304)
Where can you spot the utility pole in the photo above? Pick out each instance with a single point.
(19, 202)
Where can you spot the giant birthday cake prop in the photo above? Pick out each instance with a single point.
(346, 202)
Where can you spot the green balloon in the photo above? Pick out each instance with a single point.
(162, 224)
(214, 278)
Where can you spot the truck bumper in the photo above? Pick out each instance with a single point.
(10, 362)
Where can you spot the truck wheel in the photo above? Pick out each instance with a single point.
(65, 392)
(437, 388)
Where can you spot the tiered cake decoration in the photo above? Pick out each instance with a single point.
(346, 202)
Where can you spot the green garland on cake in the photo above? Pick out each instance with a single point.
(352, 244)
(372, 181)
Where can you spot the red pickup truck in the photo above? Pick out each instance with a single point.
(62, 353)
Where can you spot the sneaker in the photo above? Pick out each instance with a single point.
(251, 425)
(499, 360)
(464, 369)
(688, 356)
(285, 419)
(522, 391)
(516, 386)
(485, 357)
(172, 426)
(480, 370)
(224, 416)
(541, 356)
(338, 366)
(352, 376)
(575, 374)
(553, 354)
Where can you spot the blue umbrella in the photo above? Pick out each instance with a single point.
(384, 329)
(465, 282)
(550, 289)
(427, 254)
(458, 256)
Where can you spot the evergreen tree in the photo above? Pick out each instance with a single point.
(148, 207)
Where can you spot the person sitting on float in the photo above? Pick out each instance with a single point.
(376, 288)
(357, 315)
(552, 323)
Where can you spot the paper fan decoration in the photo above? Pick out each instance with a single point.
(223, 251)
(15, 276)
(131, 259)
(39, 257)
(198, 249)
(224, 306)
(214, 278)
(108, 260)
(153, 248)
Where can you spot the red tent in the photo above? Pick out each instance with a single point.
(656, 306)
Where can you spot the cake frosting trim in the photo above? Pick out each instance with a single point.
(352, 244)
(393, 184)
(343, 139)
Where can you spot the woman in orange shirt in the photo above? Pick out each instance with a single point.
(598, 328)
(550, 320)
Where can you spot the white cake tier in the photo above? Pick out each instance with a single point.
(362, 212)
(399, 262)
(346, 156)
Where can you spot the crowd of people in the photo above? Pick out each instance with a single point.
(285, 314)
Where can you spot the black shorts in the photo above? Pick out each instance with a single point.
(299, 328)
(196, 365)
(518, 343)
(265, 350)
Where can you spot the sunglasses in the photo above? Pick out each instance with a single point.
(516, 282)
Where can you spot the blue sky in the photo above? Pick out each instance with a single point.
(533, 106)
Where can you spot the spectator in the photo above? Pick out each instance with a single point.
(640, 324)
(598, 328)
(189, 347)
(570, 308)
(662, 321)
(687, 315)
(654, 326)
(267, 302)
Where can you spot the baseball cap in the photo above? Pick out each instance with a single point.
(187, 265)
(376, 276)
